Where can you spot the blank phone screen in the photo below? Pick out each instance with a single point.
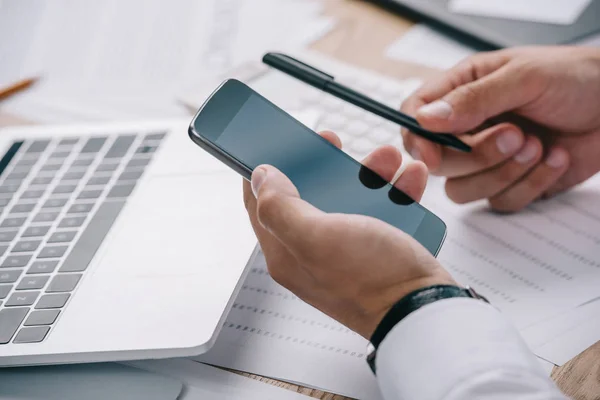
(325, 177)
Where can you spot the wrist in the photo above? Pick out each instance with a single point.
(399, 292)
(412, 302)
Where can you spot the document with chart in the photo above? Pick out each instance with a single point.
(519, 261)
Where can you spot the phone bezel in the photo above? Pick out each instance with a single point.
(218, 110)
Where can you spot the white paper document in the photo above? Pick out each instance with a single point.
(203, 382)
(533, 265)
(427, 46)
(561, 338)
(561, 12)
(125, 60)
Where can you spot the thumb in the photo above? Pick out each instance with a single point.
(469, 105)
(280, 209)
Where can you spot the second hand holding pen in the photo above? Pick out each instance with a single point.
(327, 83)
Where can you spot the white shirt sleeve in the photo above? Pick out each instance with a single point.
(459, 349)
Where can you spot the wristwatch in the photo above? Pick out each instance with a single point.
(412, 302)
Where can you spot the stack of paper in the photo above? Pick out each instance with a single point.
(147, 380)
(126, 60)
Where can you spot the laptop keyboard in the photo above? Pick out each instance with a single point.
(58, 200)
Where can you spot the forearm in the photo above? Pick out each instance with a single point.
(459, 349)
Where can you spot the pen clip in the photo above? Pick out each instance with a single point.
(273, 58)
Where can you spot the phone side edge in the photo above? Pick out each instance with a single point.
(209, 147)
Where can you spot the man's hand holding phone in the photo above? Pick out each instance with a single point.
(352, 267)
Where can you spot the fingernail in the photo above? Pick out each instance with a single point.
(508, 142)
(556, 159)
(527, 153)
(416, 154)
(438, 109)
(258, 178)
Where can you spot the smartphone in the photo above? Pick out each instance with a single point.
(244, 130)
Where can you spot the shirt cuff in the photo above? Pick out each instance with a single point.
(447, 344)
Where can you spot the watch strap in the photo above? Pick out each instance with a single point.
(412, 302)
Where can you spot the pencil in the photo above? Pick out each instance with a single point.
(16, 87)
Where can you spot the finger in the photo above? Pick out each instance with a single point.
(470, 104)
(384, 161)
(533, 185)
(420, 149)
(276, 254)
(412, 180)
(282, 212)
(493, 181)
(491, 147)
(332, 138)
(465, 72)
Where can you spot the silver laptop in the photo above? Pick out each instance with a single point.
(499, 32)
(117, 242)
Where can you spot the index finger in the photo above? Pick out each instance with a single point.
(468, 70)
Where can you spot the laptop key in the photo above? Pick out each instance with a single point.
(26, 246)
(52, 301)
(98, 180)
(121, 190)
(68, 141)
(137, 162)
(50, 167)
(36, 231)
(61, 189)
(82, 162)
(13, 222)
(107, 167)
(4, 291)
(92, 237)
(9, 188)
(55, 203)
(93, 145)
(63, 283)
(52, 252)
(32, 194)
(22, 208)
(42, 317)
(146, 149)
(22, 299)
(37, 146)
(15, 261)
(62, 154)
(3, 248)
(9, 276)
(62, 237)
(120, 146)
(33, 282)
(73, 175)
(18, 175)
(90, 194)
(155, 136)
(41, 180)
(26, 163)
(72, 222)
(79, 208)
(42, 267)
(34, 334)
(10, 320)
(46, 216)
(130, 175)
(4, 201)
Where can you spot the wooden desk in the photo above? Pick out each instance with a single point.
(362, 33)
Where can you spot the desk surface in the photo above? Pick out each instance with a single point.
(362, 33)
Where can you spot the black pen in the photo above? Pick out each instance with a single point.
(326, 83)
